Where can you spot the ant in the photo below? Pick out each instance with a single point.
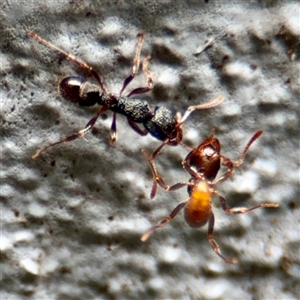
(203, 164)
(160, 123)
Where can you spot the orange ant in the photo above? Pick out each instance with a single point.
(203, 164)
(161, 123)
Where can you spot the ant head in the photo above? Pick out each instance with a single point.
(210, 147)
(176, 136)
(205, 160)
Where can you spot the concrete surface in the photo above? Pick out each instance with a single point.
(71, 220)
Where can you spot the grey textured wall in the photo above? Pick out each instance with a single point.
(71, 220)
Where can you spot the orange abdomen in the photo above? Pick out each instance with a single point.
(198, 209)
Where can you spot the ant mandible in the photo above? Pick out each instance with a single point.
(203, 164)
(160, 123)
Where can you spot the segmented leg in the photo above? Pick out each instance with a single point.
(165, 221)
(134, 70)
(157, 179)
(149, 86)
(136, 91)
(230, 164)
(242, 210)
(69, 56)
(113, 129)
(190, 109)
(73, 136)
(136, 128)
(214, 244)
(136, 63)
(133, 125)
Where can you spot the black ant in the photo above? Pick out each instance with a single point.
(203, 164)
(160, 123)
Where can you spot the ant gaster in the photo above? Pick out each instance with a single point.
(203, 164)
(160, 123)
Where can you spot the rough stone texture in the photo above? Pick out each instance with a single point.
(71, 220)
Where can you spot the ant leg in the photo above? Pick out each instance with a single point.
(234, 164)
(156, 178)
(165, 221)
(69, 56)
(230, 167)
(132, 124)
(113, 129)
(135, 68)
(180, 120)
(190, 109)
(73, 136)
(136, 128)
(242, 210)
(188, 148)
(240, 160)
(141, 90)
(149, 86)
(136, 62)
(214, 244)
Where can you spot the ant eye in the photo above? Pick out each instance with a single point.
(69, 88)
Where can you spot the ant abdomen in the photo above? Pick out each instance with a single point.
(198, 209)
(69, 88)
(78, 90)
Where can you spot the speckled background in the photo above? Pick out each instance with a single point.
(71, 220)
